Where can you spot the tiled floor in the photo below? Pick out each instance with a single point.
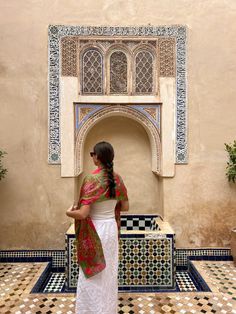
(56, 283)
(17, 280)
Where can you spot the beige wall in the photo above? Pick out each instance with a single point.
(198, 201)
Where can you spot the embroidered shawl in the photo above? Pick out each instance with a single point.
(89, 248)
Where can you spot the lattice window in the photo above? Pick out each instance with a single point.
(144, 73)
(92, 72)
(118, 73)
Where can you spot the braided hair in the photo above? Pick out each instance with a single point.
(105, 154)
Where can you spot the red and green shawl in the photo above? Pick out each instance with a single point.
(89, 247)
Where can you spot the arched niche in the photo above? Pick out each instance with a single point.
(133, 161)
(119, 110)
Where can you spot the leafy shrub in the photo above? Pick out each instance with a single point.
(231, 164)
(3, 171)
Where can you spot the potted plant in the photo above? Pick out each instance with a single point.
(231, 175)
(3, 170)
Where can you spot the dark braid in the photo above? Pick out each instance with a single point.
(111, 180)
(105, 153)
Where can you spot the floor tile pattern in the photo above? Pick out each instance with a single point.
(55, 283)
(17, 281)
(223, 276)
(185, 282)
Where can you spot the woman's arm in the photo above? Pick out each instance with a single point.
(124, 206)
(78, 213)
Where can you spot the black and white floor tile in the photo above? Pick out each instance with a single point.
(185, 282)
(55, 283)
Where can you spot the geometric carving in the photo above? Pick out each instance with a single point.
(106, 43)
(118, 73)
(68, 56)
(83, 112)
(166, 56)
(152, 112)
(92, 74)
(144, 72)
(131, 43)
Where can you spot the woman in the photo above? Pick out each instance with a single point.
(101, 193)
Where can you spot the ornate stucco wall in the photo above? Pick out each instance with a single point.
(198, 202)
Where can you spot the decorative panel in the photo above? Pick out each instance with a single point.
(118, 73)
(83, 112)
(152, 112)
(146, 262)
(175, 47)
(92, 72)
(144, 72)
(68, 56)
(167, 56)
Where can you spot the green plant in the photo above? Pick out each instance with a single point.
(231, 164)
(3, 171)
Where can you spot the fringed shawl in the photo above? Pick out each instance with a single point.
(89, 248)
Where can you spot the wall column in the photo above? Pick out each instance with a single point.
(168, 99)
(69, 94)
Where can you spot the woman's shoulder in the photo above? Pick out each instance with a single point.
(118, 176)
(90, 177)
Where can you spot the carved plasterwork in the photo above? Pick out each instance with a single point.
(118, 73)
(69, 56)
(177, 35)
(151, 112)
(167, 57)
(113, 110)
(83, 112)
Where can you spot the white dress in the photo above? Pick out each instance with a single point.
(99, 294)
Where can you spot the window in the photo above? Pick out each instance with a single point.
(92, 72)
(143, 72)
(118, 73)
(122, 69)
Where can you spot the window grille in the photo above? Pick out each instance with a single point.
(118, 73)
(144, 73)
(92, 72)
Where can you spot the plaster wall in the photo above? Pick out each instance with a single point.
(198, 202)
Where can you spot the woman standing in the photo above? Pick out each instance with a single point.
(101, 192)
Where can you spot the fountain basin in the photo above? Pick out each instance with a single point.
(146, 254)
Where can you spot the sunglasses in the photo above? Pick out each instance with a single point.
(92, 154)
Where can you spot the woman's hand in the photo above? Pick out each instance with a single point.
(71, 209)
(78, 213)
